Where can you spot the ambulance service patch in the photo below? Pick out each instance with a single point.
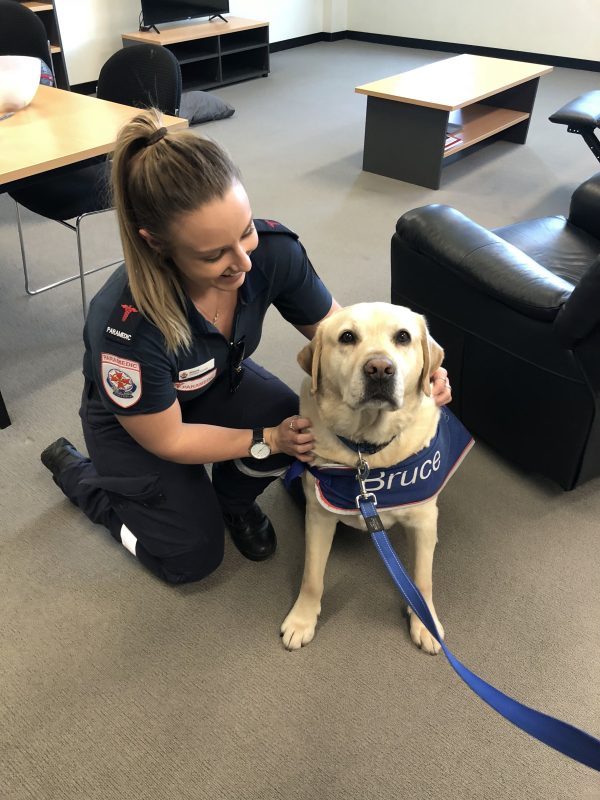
(121, 379)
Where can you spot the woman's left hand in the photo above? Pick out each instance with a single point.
(441, 390)
(293, 437)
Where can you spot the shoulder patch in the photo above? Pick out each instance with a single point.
(271, 226)
(124, 320)
(121, 379)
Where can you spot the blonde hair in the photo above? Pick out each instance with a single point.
(153, 182)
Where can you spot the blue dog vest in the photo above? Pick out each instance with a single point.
(415, 480)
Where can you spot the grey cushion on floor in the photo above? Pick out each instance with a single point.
(203, 107)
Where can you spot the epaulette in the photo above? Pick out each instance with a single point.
(124, 320)
(271, 226)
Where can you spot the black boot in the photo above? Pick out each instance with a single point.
(252, 533)
(59, 455)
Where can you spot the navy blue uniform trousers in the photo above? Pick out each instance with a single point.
(175, 510)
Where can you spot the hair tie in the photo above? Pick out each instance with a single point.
(156, 136)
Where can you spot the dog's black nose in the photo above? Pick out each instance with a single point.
(379, 369)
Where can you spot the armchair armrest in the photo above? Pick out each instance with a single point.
(582, 112)
(484, 260)
(584, 211)
(581, 313)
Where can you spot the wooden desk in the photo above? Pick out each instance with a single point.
(59, 128)
(408, 114)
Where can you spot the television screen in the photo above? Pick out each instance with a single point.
(156, 11)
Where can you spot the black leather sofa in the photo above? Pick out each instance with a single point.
(517, 310)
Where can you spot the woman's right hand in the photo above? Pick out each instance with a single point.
(293, 437)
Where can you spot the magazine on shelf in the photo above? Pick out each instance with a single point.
(451, 140)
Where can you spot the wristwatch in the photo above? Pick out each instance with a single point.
(259, 448)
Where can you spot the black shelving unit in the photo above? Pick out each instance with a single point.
(47, 13)
(214, 54)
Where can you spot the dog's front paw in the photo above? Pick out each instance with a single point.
(421, 636)
(298, 629)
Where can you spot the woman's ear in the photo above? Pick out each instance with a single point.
(150, 240)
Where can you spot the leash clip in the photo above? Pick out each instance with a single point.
(362, 473)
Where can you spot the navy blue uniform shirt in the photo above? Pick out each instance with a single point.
(126, 355)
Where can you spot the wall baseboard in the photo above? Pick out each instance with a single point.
(313, 38)
(445, 47)
(419, 44)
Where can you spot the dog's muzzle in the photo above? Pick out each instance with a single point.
(380, 381)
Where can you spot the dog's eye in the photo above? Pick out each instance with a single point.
(347, 337)
(402, 337)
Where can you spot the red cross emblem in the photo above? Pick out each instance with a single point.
(127, 310)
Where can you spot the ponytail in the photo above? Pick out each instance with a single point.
(156, 177)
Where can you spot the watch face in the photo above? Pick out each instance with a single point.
(260, 450)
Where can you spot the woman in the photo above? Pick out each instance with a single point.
(169, 385)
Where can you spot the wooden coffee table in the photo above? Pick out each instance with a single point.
(408, 114)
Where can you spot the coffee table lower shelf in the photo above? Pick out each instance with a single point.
(479, 122)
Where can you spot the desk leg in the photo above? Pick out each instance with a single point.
(4, 418)
(404, 141)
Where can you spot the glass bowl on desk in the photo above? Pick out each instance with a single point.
(19, 81)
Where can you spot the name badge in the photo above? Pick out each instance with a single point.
(198, 383)
(193, 372)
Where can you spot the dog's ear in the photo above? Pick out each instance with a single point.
(433, 355)
(305, 357)
(309, 359)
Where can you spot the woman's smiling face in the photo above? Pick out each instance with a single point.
(211, 246)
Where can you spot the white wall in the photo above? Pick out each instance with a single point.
(287, 18)
(335, 15)
(91, 29)
(552, 27)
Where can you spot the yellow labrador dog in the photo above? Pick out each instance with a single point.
(370, 367)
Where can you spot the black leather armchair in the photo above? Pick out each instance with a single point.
(517, 310)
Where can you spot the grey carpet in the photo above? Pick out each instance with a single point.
(113, 685)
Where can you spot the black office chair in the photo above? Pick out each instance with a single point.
(140, 75)
(22, 33)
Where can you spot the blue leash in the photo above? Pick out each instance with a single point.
(565, 738)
